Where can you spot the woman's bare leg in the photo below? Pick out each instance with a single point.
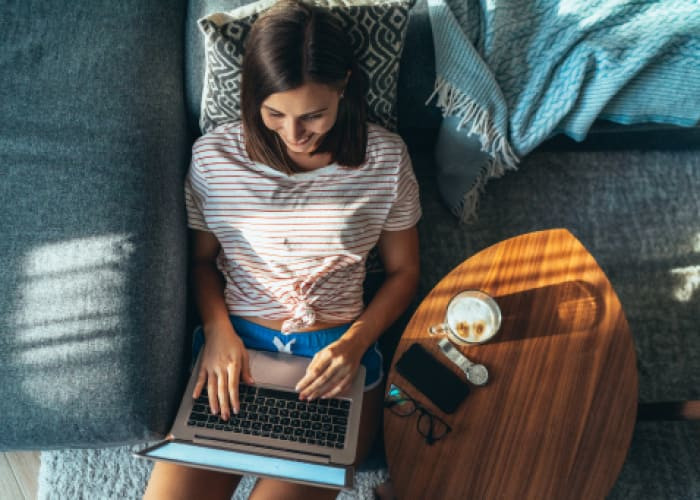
(270, 489)
(174, 482)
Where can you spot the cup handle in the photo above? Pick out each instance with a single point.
(440, 329)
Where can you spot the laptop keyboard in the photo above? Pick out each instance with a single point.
(279, 415)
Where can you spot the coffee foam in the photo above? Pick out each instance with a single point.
(471, 319)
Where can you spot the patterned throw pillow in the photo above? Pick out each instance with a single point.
(377, 29)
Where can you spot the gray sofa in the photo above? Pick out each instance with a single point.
(100, 103)
(100, 107)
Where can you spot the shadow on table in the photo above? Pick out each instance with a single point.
(559, 309)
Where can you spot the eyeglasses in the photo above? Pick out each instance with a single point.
(430, 426)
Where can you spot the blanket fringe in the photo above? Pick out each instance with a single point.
(467, 209)
(454, 102)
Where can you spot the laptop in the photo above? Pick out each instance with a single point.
(274, 434)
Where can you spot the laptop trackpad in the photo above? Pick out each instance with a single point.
(276, 368)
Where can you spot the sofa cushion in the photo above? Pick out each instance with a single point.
(94, 149)
(418, 122)
(376, 28)
(415, 81)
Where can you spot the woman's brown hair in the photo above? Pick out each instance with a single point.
(292, 44)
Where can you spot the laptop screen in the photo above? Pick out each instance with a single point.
(248, 463)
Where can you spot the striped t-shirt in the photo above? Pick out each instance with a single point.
(294, 247)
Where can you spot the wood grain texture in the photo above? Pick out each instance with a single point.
(19, 473)
(9, 487)
(556, 417)
(26, 467)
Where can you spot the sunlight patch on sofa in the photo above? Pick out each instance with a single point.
(65, 329)
(77, 255)
(73, 301)
(696, 243)
(69, 295)
(689, 282)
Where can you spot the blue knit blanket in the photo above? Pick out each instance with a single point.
(518, 71)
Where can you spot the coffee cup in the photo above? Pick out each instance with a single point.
(472, 317)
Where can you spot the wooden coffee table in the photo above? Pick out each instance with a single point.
(556, 418)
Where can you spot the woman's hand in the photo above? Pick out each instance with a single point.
(331, 370)
(224, 363)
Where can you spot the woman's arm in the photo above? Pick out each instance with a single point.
(333, 368)
(224, 357)
(208, 281)
(399, 253)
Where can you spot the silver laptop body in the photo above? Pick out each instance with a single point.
(245, 453)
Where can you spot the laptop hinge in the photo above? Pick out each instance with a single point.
(259, 449)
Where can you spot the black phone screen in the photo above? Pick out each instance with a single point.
(436, 381)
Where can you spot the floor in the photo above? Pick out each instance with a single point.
(19, 472)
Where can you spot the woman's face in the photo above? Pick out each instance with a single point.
(302, 116)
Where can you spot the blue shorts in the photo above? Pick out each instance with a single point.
(305, 344)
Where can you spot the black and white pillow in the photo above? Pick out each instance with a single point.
(377, 29)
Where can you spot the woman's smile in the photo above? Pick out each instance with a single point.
(302, 117)
(299, 143)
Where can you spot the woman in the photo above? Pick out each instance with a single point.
(285, 206)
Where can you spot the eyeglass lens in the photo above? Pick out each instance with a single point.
(402, 408)
(430, 426)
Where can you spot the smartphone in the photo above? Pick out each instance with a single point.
(436, 381)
